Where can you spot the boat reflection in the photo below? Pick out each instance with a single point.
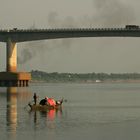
(52, 114)
(47, 117)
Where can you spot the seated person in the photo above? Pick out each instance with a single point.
(44, 101)
(51, 102)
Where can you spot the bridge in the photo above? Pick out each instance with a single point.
(11, 37)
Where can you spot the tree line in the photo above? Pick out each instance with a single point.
(81, 77)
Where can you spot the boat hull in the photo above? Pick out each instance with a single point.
(44, 107)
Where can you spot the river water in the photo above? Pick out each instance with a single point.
(101, 111)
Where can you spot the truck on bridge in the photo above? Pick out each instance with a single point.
(132, 27)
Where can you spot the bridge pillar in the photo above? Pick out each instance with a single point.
(12, 78)
(11, 56)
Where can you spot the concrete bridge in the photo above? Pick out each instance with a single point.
(12, 78)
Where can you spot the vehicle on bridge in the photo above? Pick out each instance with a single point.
(132, 27)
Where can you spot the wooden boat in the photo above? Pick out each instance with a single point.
(45, 107)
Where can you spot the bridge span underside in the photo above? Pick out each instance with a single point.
(13, 78)
(36, 34)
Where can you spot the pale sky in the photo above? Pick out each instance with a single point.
(79, 55)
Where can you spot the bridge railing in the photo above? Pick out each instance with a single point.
(69, 29)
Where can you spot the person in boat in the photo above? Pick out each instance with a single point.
(51, 102)
(35, 98)
(44, 101)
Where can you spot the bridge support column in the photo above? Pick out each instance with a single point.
(12, 78)
(11, 56)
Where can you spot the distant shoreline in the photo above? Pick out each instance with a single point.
(88, 82)
(55, 77)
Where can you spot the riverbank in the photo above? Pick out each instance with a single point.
(88, 82)
(55, 77)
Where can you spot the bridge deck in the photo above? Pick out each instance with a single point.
(21, 35)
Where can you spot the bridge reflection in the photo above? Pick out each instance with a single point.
(12, 110)
(12, 94)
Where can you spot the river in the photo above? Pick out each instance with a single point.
(102, 111)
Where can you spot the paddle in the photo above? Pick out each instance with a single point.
(28, 104)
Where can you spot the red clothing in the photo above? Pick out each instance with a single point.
(51, 102)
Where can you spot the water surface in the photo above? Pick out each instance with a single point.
(92, 111)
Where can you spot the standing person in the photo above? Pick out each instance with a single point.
(35, 98)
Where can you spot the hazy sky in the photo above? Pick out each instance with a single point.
(79, 55)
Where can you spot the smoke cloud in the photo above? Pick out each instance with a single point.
(106, 13)
(26, 55)
(110, 13)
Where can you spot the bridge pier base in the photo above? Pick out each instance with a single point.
(14, 79)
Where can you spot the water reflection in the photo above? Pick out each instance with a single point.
(16, 114)
(51, 114)
(13, 96)
(12, 110)
(45, 119)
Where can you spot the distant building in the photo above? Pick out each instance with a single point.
(97, 81)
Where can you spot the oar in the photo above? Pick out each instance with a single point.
(28, 105)
(63, 100)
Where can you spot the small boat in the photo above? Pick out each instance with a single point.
(45, 107)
